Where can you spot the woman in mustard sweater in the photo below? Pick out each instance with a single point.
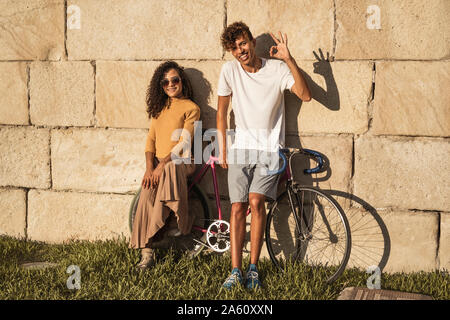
(164, 186)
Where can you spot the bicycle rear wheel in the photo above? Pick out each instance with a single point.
(315, 234)
(198, 205)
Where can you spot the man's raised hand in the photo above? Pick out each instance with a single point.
(280, 51)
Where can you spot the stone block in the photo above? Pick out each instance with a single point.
(402, 172)
(340, 94)
(57, 217)
(121, 91)
(13, 209)
(412, 98)
(62, 93)
(137, 30)
(13, 90)
(364, 293)
(32, 30)
(411, 29)
(24, 157)
(444, 242)
(309, 25)
(98, 160)
(413, 240)
(395, 240)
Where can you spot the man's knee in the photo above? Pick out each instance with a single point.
(239, 209)
(257, 201)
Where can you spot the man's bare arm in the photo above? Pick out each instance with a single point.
(221, 120)
(300, 87)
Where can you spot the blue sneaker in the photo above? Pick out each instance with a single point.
(234, 279)
(252, 279)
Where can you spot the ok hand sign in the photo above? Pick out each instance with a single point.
(282, 51)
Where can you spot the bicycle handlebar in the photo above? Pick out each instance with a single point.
(313, 153)
(319, 159)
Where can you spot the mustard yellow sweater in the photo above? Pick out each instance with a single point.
(180, 114)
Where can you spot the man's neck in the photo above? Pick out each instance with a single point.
(253, 66)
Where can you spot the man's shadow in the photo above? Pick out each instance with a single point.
(370, 237)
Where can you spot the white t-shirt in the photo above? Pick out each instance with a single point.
(258, 103)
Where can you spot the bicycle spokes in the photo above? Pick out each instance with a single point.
(320, 232)
(307, 226)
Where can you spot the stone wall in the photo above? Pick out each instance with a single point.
(73, 75)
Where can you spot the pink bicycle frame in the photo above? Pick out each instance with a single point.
(212, 163)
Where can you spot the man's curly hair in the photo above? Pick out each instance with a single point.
(156, 98)
(232, 32)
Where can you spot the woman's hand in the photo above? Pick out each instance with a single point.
(149, 167)
(157, 174)
(147, 180)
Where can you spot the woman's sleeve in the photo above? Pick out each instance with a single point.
(190, 117)
(151, 138)
(187, 134)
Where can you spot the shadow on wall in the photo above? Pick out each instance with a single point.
(202, 94)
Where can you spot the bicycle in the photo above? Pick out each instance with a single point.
(303, 233)
(318, 233)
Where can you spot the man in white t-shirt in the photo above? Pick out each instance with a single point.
(256, 87)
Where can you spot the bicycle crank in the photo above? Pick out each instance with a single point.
(218, 236)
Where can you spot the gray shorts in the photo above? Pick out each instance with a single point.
(250, 171)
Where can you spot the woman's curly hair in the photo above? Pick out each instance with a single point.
(156, 98)
(232, 32)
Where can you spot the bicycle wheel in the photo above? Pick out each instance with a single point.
(315, 234)
(198, 205)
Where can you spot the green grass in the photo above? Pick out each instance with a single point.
(107, 272)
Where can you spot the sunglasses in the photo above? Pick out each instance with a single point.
(174, 80)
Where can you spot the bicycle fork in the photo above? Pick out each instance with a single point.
(303, 216)
(298, 210)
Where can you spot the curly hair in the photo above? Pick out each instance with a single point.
(232, 32)
(156, 98)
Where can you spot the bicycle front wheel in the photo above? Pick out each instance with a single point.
(307, 226)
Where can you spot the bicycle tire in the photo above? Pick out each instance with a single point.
(293, 246)
(197, 201)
